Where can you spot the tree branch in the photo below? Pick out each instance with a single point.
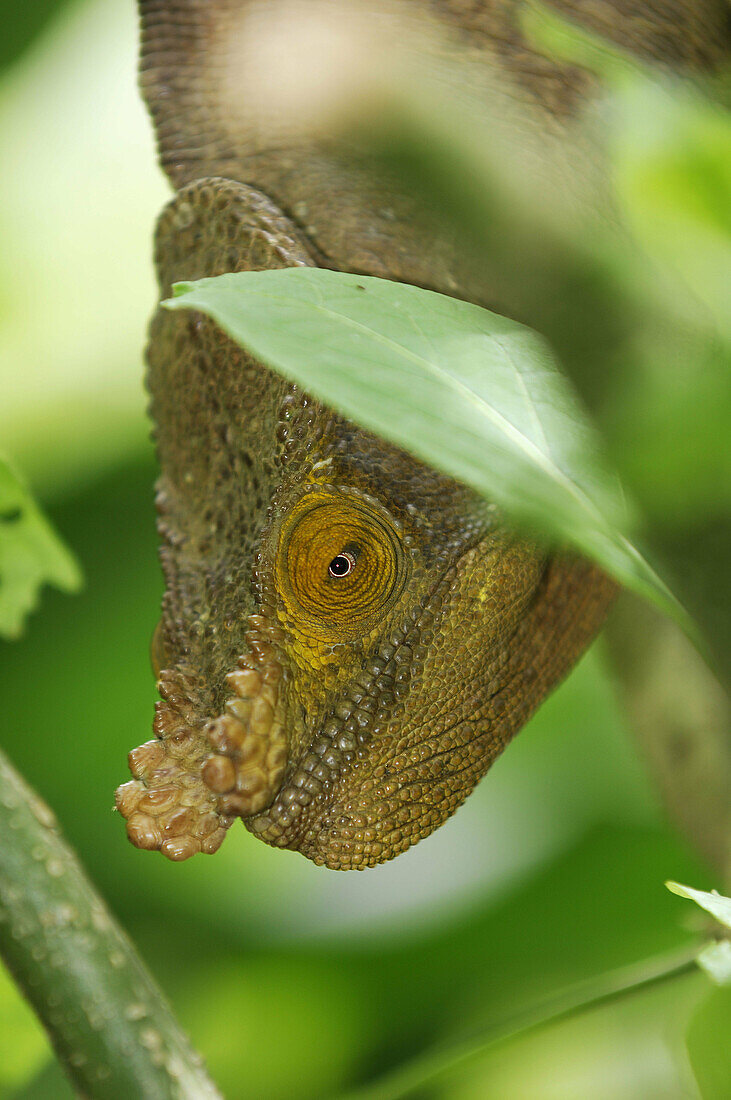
(109, 1024)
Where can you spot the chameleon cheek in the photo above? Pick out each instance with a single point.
(494, 641)
(445, 725)
(430, 709)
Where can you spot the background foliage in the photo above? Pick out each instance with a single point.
(291, 979)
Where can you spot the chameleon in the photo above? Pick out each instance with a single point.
(348, 637)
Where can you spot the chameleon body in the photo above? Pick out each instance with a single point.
(348, 638)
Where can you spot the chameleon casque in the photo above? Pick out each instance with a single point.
(348, 638)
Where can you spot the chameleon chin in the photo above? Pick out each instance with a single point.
(348, 638)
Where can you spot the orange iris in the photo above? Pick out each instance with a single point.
(340, 563)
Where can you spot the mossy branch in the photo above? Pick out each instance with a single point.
(109, 1023)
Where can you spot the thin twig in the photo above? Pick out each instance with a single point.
(109, 1023)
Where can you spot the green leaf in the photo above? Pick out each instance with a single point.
(470, 392)
(715, 958)
(672, 173)
(714, 903)
(31, 554)
(670, 152)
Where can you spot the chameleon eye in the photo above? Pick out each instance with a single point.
(340, 564)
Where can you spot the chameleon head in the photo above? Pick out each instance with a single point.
(372, 661)
(390, 655)
(348, 637)
(380, 671)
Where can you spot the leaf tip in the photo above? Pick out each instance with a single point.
(179, 291)
(71, 577)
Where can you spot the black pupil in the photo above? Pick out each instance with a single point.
(340, 566)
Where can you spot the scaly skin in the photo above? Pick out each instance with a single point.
(343, 716)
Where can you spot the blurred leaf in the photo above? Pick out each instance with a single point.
(22, 23)
(464, 389)
(716, 961)
(672, 172)
(714, 903)
(670, 150)
(668, 426)
(31, 554)
(23, 1043)
(708, 1045)
(665, 402)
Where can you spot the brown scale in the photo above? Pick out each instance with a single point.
(344, 734)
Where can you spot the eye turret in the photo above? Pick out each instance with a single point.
(340, 564)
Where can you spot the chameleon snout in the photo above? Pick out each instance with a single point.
(200, 773)
(167, 806)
